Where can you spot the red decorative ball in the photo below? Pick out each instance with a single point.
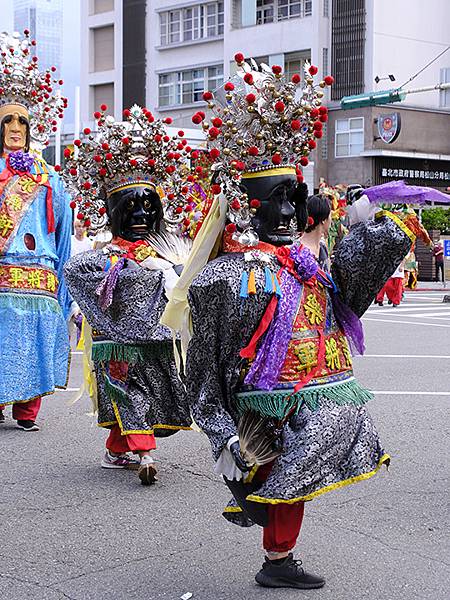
(97, 158)
(314, 113)
(216, 189)
(255, 203)
(323, 118)
(97, 115)
(250, 98)
(101, 210)
(195, 154)
(102, 171)
(217, 122)
(253, 151)
(184, 190)
(214, 153)
(323, 110)
(80, 216)
(126, 113)
(235, 205)
(279, 106)
(295, 78)
(190, 178)
(329, 79)
(239, 58)
(181, 133)
(304, 161)
(310, 221)
(77, 143)
(103, 107)
(318, 133)
(87, 223)
(248, 78)
(199, 170)
(229, 87)
(201, 113)
(170, 196)
(151, 162)
(133, 162)
(230, 228)
(125, 141)
(317, 125)
(108, 156)
(87, 185)
(313, 70)
(213, 132)
(186, 222)
(295, 124)
(166, 138)
(57, 168)
(207, 96)
(105, 146)
(276, 159)
(196, 119)
(276, 69)
(300, 178)
(312, 144)
(168, 120)
(157, 138)
(240, 166)
(178, 210)
(66, 152)
(73, 171)
(73, 205)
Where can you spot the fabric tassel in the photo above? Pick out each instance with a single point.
(269, 285)
(244, 285)
(106, 288)
(252, 283)
(278, 291)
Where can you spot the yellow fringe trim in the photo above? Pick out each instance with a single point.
(328, 488)
(269, 172)
(232, 509)
(397, 221)
(143, 431)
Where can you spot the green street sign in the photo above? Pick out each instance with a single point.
(373, 98)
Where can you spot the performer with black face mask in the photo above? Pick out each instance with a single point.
(269, 368)
(122, 289)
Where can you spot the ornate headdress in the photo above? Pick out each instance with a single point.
(136, 151)
(261, 121)
(23, 84)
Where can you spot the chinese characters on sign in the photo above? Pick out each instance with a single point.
(415, 174)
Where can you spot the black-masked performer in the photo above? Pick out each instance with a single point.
(269, 366)
(129, 177)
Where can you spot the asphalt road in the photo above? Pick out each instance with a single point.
(70, 529)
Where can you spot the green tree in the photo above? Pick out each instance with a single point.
(436, 218)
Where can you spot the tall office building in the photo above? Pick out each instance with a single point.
(44, 20)
(165, 53)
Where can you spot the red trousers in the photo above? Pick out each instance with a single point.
(285, 520)
(132, 442)
(25, 411)
(393, 288)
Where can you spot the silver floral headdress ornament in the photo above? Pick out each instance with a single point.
(134, 152)
(24, 85)
(262, 123)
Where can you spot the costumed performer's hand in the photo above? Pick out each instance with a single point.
(238, 458)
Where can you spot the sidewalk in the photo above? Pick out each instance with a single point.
(431, 286)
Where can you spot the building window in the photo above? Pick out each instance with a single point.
(326, 8)
(324, 61)
(103, 42)
(445, 94)
(103, 94)
(100, 6)
(324, 143)
(187, 87)
(197, 22)
(269, 11)
(349, 140)
(294, 63)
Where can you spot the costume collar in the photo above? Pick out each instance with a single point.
(230, 245)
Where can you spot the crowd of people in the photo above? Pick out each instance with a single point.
(217, 299)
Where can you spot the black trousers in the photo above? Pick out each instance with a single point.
(440, 267)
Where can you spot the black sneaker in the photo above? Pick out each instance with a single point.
(27, 425)
(289, 574)
(2, 417)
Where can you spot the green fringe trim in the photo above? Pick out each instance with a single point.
(106, 351)
(279, 403)
(29, 302)
(116, 393)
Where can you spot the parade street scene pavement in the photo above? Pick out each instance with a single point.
(73, 530)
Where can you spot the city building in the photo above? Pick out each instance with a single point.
(44, 20)
(164, 53)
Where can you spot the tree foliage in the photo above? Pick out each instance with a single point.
(436, 218)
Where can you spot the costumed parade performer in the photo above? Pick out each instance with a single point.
(129, 178)
(393, 288)
(269, 367)
(35, 233)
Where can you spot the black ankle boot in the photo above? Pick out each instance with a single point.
(289, 573)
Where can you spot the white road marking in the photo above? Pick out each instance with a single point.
(409, 308)
(405, 393)
(405, 322)
(401, 356)
(439, 316)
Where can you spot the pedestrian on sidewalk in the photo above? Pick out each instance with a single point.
(35, 229)
(393, 288)
(438, 253)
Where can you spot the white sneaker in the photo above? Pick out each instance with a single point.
(123, 461)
